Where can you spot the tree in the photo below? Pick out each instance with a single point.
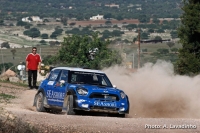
(158, 38)
(27, 26)
(115, 26)
(13, 51)
(175, 50)
(189, 32)
(86, 51)
(107, 16)
(72, 24)
(144, 19)
(5, 66)
(21, 23)
(174, 34)
(108, 23)
(144, 35)
(170, 44)
(119, 17)
(5, 44)
(163, 51)
(131, 26)
(156, 21)
(30, 19)
(64, 20)
(33, 32)
(151, 30)
(160, 31)
(135, 39)
(117, 33)
(1, 22)
(44, 36)
(165, 22)
(42, 41)
(53, 36)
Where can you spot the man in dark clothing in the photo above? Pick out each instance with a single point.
(33, 62)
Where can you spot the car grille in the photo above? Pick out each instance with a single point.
(104, 108)
(104, 97)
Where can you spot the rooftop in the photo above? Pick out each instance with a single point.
(79, 69)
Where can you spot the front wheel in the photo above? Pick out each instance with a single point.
(40, 103)
(121, 115)
(70, 105)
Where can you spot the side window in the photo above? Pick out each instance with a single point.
(95, 78)
(73, 79)
(54, 75)
(102, 80)
(64, 75)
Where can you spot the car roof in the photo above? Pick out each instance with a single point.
(79, 69)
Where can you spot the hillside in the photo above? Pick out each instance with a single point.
(84, 9)
(122, 19)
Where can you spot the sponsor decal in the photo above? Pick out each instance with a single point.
(105, 104)
(55, 95)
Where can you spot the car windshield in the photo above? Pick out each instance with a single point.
(100, 79)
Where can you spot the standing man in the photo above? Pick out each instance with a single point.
(33, 62)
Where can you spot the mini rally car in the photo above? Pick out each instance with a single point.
(72, 90)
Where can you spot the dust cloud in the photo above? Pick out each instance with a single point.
(154, 91)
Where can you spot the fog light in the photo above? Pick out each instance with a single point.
(85, 105)
(121, 109)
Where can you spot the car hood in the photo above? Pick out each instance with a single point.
(95, 88)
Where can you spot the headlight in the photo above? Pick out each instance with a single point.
(82, 91)
(123, 95)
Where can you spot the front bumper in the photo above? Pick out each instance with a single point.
(119, 107)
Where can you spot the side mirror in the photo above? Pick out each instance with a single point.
(62, 82)
(114, 86)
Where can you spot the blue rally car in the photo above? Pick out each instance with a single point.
(74, 90)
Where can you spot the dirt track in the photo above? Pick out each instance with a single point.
(100, 22)
(22, 108)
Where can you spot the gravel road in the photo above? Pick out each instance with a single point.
(22, 108)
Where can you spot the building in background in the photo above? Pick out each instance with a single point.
(32, 18)
(98, 17)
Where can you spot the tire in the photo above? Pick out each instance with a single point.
(117, 115)
(121, 115)
(40, 103)
(70, 105)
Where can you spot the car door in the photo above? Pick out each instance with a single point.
(60, 88)
(50, 91)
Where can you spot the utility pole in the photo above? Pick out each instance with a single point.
(138, 48)
(2, 60)
(133, 61)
